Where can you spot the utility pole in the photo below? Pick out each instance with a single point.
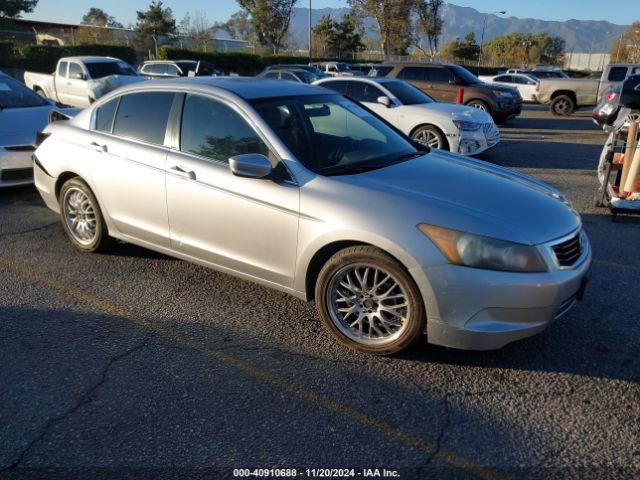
(309, 31)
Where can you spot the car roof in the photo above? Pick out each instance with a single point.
(416, 64)
(148, 62)
(248, 88)
(91, 59)
(379, 80)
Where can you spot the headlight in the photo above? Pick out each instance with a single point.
(467, 126)
(476, 251)
(502, 94)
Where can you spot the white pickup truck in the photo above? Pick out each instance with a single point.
(79, 81)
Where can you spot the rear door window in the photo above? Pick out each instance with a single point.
(340, 86)
(143, 116)
(412, 73)
(62, 69)
(437, 75)
(504, 79)
(104, 116)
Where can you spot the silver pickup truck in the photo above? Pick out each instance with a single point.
(565, 95)
(78, 81)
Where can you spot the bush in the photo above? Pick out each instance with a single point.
(43, 58)
(8, 54)
(236, 62)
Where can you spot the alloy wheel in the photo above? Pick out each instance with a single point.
(428, 138)
(367, 304)
(80, 216)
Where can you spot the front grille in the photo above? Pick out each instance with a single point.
(568, 252)
(16, 174)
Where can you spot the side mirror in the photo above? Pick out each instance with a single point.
(250, 165)
(78, 76)
(384, 100)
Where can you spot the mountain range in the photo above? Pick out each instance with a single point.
(582, 36)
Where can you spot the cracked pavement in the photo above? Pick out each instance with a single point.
(88, 392)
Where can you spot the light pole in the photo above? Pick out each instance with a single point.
(309, 31)
(484, 26)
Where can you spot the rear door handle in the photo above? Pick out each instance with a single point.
(99, 147)
(183, 172)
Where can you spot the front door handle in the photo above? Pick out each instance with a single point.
(99, 147)
(183, 172)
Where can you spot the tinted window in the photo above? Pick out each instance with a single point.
(380, 71)
(104, 69)
(407, 93)
(104, 116)
(74, 70)
(523, 80)
(365, 92)
(412, 73)
(143, 116)
(617, 74)
(504, 79)
(187, 67)
(339, 86)
(213, 130)
(272, 75)
(437, 75)
(14, 94)
(288, 76)
(464, 76)
(62, 69)
(173, 70)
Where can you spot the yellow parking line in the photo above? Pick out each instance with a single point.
(319, 400)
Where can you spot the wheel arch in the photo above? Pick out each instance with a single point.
(569, 93)
(481, 100)
(64, 177)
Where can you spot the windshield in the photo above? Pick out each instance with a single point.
(14, 94)
(104, 69)
(332, 135)
(307, 77)
(463, 74)
(406, 93)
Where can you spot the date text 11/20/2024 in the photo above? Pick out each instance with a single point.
(316, 473)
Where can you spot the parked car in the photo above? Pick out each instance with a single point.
(296, 66)
(364, 68)
(22, 114)
(293, 75)
(308, 192)
(565, 95)
(79, 81)
(456, 128)
(177, 68)
(524, 83)
(336, 69)
(540, 73)
(622, 95)
(442, 83)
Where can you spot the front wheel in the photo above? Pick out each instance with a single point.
(480, 105)
(81, 216)
(369, 302)
(430, 136)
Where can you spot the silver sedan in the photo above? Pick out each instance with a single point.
(300, 189)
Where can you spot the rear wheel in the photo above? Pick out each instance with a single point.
(563, 105)
(369, 302)
(81, 216)
(430, 136)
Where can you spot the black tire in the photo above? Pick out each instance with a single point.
(413, 327)
(480, 105)
(100, 239)
(423, 130)
(562, 106)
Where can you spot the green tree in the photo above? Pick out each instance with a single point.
(429, 24)
(322, 34)
(13, 8)
(270, 20)
(239, 26)
(393, 22)
(466, 49)
(152, 23)
(346, 36)
(525, 48)
(99, 18)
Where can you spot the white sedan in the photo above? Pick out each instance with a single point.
(525, 84)
(22, 114)
(445, 126)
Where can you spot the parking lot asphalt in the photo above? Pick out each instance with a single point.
(131, 364)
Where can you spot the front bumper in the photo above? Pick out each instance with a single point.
(474, 309)
(16, 167)
(508, 109)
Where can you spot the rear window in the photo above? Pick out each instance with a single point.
(143, 116)
(617, 74)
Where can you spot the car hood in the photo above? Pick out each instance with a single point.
(452, 111)
(474, 196)
(18, 126)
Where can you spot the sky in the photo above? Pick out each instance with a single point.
(617, 11)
